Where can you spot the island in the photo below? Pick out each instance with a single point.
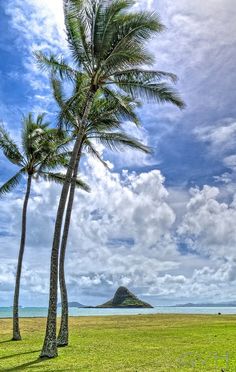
(74, 304)
(215, 304)
(123, 298)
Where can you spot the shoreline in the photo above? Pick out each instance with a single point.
(127, 315)
(41, 313)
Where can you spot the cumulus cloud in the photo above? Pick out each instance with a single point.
(209, 224)
(124, 233)
(120, 233)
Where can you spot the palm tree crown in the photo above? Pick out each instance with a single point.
(106, 40)
(43, 151)
(104, 121)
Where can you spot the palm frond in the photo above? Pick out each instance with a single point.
(117, 141)
(57, 90)
(106, 19)
(11, 183)
(78, 26)
(72, 108)
(40, 120)
(129, 32)
(143, 76)
(58, 152)
(10, 148)
(54, 65)
(55, 161)
(60, 179)
(82, 185)
(33, 133)
(65, 116)
(91, 150)
(106, 124)
(125, 105)
(138, 26)
(159, 92)
(126, 58)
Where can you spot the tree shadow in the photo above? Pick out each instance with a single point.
(25, 365)
(15, 355)
(4, 342)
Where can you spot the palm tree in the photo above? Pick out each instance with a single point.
(43, 150)
(104, 119)
(106, 40)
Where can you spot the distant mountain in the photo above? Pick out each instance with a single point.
(73, 304)
(219, 304)
(123, 298)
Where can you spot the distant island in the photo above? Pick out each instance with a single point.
(123, 298)
(219, 304)
(74, 304)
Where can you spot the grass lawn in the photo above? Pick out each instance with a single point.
(127, 343)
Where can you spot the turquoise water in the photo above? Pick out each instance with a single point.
(6, 312)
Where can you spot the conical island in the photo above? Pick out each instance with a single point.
(123, 298)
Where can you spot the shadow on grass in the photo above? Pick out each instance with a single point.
(4, 342)
(25, 365)
(15, 355)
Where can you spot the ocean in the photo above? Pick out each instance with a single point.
(32, 312)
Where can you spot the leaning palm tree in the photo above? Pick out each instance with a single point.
(43, 150)
(105, 118)
(106, 39)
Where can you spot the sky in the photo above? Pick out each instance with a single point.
(164, 224)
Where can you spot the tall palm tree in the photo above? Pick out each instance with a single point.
(43, 150)
(106, 39)
(105, 117)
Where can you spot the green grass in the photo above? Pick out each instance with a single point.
(127, 343)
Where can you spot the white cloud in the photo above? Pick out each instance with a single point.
(120, 233)
(200, 49)
(220, 139)
(230, 162)
(208, 225)
(39, 26)
(123, 233)
(221, 136)
(225, 177)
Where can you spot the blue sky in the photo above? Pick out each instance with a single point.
(168, 232)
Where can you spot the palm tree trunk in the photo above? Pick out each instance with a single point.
(62, 339)
(16, 327)
(49, 349)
